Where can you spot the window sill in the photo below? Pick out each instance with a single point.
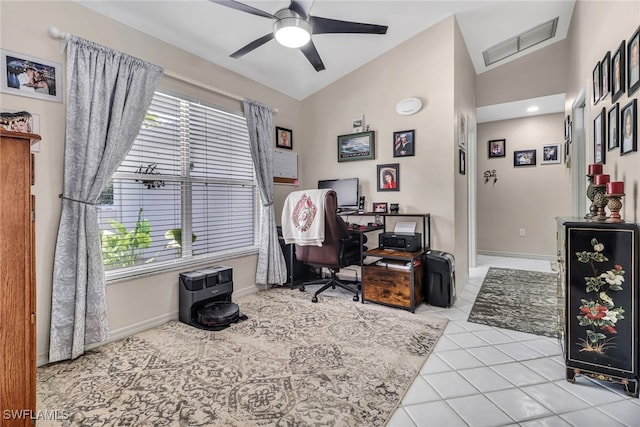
(125, 274)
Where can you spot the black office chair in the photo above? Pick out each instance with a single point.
(338, 250)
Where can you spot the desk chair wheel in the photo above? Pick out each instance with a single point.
(356, 298)
(314, 299)
(301, 288)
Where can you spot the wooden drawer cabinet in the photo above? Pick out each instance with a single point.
(17, 284)
(401, 288)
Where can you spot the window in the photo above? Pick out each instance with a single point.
(189, 173)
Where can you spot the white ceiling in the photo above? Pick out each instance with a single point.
(213, 32)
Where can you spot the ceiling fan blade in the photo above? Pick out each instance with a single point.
(297, 7)
(243, 8)
(254, 44)
(326, 26)
(312, 55)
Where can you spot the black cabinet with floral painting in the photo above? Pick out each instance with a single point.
(600, 293)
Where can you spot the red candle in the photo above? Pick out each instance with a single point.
(601, 179)
(615, 187)
(595, 169)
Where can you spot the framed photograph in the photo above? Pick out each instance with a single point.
(380, 207)
(633, 63)
(497, 148)
(551, 154)
(597, 90)
(629, 127)
(618, 72)
(567, 128)
(284, 138)
(598, 138)
(25, 75)
(605, 75)
(389, 177)
(613, 135)
(462, 162)
(404, 143)
(462, 131)
(524, 158)
(356, 146)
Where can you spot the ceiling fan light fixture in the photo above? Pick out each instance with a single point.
(292, 32)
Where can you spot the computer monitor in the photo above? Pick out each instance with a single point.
(346, 189)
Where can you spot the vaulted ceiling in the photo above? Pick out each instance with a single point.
(213, 31)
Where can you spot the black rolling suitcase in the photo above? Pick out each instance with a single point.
(440, 279)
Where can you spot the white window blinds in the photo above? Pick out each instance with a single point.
(189, 172)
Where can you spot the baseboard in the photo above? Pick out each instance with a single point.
(135, 328)
(518, 255)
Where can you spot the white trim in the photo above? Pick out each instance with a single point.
(518, 255)
(579, 113)
(472, 192)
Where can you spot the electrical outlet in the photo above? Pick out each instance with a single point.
(522, 232)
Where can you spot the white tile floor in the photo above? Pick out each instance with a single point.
(481, 376)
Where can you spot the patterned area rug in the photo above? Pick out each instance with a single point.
(292, 363)
(519, 300)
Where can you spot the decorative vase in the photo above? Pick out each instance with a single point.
(614, 204)
(591, 193)
(600, 200)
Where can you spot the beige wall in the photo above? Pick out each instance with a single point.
(464, 100)
(523, 197)
(596, 28)
(540, 73)
(133, 303)
(421, 67)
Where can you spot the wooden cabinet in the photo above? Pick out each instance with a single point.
(387, 282)
(599, 289)
(17, 281)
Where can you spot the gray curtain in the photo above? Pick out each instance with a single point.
(108, 94)
(271, 264)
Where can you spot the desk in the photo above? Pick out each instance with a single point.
(426, 223)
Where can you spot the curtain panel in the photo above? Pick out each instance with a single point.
(108, 94)
(271, 264)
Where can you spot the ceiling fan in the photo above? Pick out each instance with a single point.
(293, 27)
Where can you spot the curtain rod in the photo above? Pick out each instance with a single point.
(61, 35)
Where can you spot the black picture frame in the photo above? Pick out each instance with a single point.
(596, 83)
(605, 75)
(497, 148)
(523, 158)
(599, 135)
(462, 162)
(380, 207)
(391, 171)
(284, 138)
(633, 62)
(567, 128)
(357, 146)
(404, 143)
(629, 122)
(618, 72)
(551, 154)
(613, 133)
